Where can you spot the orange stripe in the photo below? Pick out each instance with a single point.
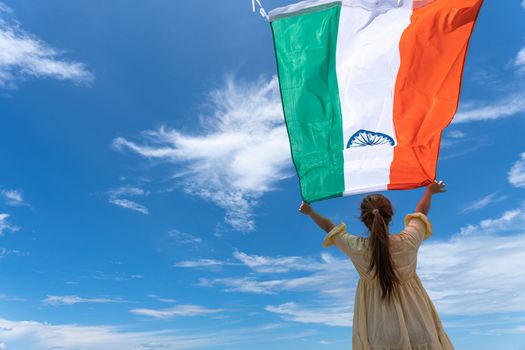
(433, 50)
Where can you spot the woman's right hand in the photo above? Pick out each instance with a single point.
(305, 208)
(436, 187)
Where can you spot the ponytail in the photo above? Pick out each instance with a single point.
(381, 264)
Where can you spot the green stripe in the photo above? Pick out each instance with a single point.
(305, 47)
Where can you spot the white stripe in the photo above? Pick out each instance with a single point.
(367, 63)
(370, 5)
(293, 8)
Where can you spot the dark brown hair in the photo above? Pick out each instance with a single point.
(376, 214)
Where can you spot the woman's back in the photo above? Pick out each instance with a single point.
(408, 321)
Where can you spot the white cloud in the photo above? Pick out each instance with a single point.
(13, 197)
(258, 263)
(23, 56)
(456, 134)
(330, 316)
(523, 4)
(4, 252)
(239, 152)
(332, 276)
(32, 335)
(11, 298)
(516, 174)
(519, 61)
(481, 273)
(176, 311)
(480, 270)
(184, 238)
(511, 104)
(116, 197)
(167, 300)
(116, 276)
(513, 330)
(452, 138)
(57, 300)
(483, 202)
(263, 264)
(6, 226)
(127, 191)
(129, 204)
(332, 280)
(503, 108)
(202, 263)
(243, 284)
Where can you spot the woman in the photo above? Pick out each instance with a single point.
(392, 309)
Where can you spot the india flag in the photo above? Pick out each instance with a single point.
(367, 88)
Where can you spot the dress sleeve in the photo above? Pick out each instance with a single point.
(419, 223)
(347, 243)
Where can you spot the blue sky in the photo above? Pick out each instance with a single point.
(147, 197)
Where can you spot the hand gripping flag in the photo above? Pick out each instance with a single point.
(367, 88)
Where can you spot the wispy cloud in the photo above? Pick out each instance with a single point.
(115, 276)
(184, 237)
(519, 61)
(13, 197)
(5, 226)
(483, 202)
(516, 174)
(200, 263)
(237, 154)
(257, 263)
(331, 280)
(58, 300)
(127, 191)
(330, 316)
(452, 138)
(5, 252)
(498, 108)
(264, 264)
(456, 143)
(502, 223)
(480, 270)
(129, 204)
(176, 311)
(328, 276)
(162, 300)
(11, 298)
(116, 197)
(23, 56)
(32, 335)
(506, 107)
(513, 330)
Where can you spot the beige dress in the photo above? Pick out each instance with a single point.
(409, 321)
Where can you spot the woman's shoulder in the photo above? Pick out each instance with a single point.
(417, 227)
(339, 234)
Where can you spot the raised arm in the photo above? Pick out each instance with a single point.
(324, 223)
(424, 204)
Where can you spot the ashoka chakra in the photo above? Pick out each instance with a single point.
(369, 138)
